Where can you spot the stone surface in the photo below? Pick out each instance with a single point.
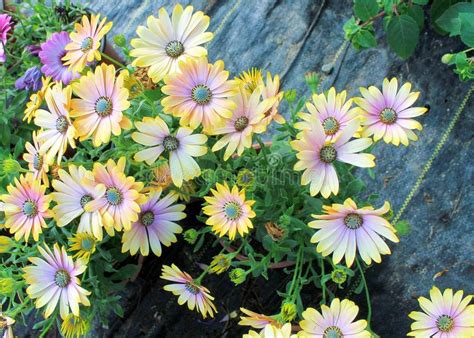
(284, 36)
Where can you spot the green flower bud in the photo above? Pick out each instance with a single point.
(403, 228)
(11, 166)
(7, 286)
(312, 81)
(290, 95)
(338, 276)
(284, 221)
(245, 178)
(6, 244)
(120, 40)
(190, 236)
(220, 264)
(288, 311)
(238, 276)
(446, 58)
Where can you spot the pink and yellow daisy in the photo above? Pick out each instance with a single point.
(36, 159)
(98, 111)
(200, 94)
(272, 331)
(245, 120)
(346, 229)
(85, 42)
(271, 89)
(337, 320)
(445, 315)
(389, 114)
(26, 207)
(332, 110)
(229, 211)
(182, 147)
(156, 225)
(256, 320)
(165, 42)
(57, 130)
(54, 280)
(119, 205)
(316, 156)
(189, 291)
(73, 191)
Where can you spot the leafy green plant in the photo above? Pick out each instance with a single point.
(403, 22)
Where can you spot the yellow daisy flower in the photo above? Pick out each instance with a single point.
(120, 203)
(98, 111)
(271, 89)
(85, 44)
(250, 79)
(83, 244)
(182, 147)
(272, 331)
(74, 326)
(229, 211)
(256, 320)
(36, 100)
(199, 94)
(246, 120)
(165, 42)
(444, 315)
(57, 130)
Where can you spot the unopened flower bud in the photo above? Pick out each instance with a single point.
(120, 40)
(312, 81)
(6, 244)
(290, 95)
(237, 276)
(220, 264)
(7, 286)
(11, 166)
(288, 311)
(446, 58)
(190, 236)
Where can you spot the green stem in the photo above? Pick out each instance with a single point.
(206, 271)
(46, 329)
(263, 149)
(297, 269)
(323, 285)
(367, 295)
(117, 63)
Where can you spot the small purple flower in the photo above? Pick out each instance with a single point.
(33, 49)
(5, 26)
(52, 51)
(31, 80)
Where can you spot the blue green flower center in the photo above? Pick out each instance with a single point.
(241, 123)
(61, 124)
(85, 199)
(114, 196)
(147, 218)
(388, 116)
(201, 94)
(232, 210)
(330, 126)
(86, 44)
(353, 221)
(332, 332)
(174, 49)
(328, 154)
(30, 209)
(103, 106)
(191, 288)
(445, 323)
(87, 244)
(170, 143)
(37, 161)
(62, 278)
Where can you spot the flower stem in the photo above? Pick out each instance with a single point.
(206, 271)
(297, 269)
(367, 295)
(108, 58)
(323, 285)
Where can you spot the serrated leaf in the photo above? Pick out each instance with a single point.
(451, 21)
(365, 9)
(402, 35)
(365, 39)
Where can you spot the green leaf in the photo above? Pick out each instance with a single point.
(451, 21)
(420, 2)
(350, 28)
(467, 29)
(364, 39)
(403, 228)
(438, 7)
(416, 12)
(402, 35)
(365, 9)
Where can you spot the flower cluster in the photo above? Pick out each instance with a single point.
(115, 147)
